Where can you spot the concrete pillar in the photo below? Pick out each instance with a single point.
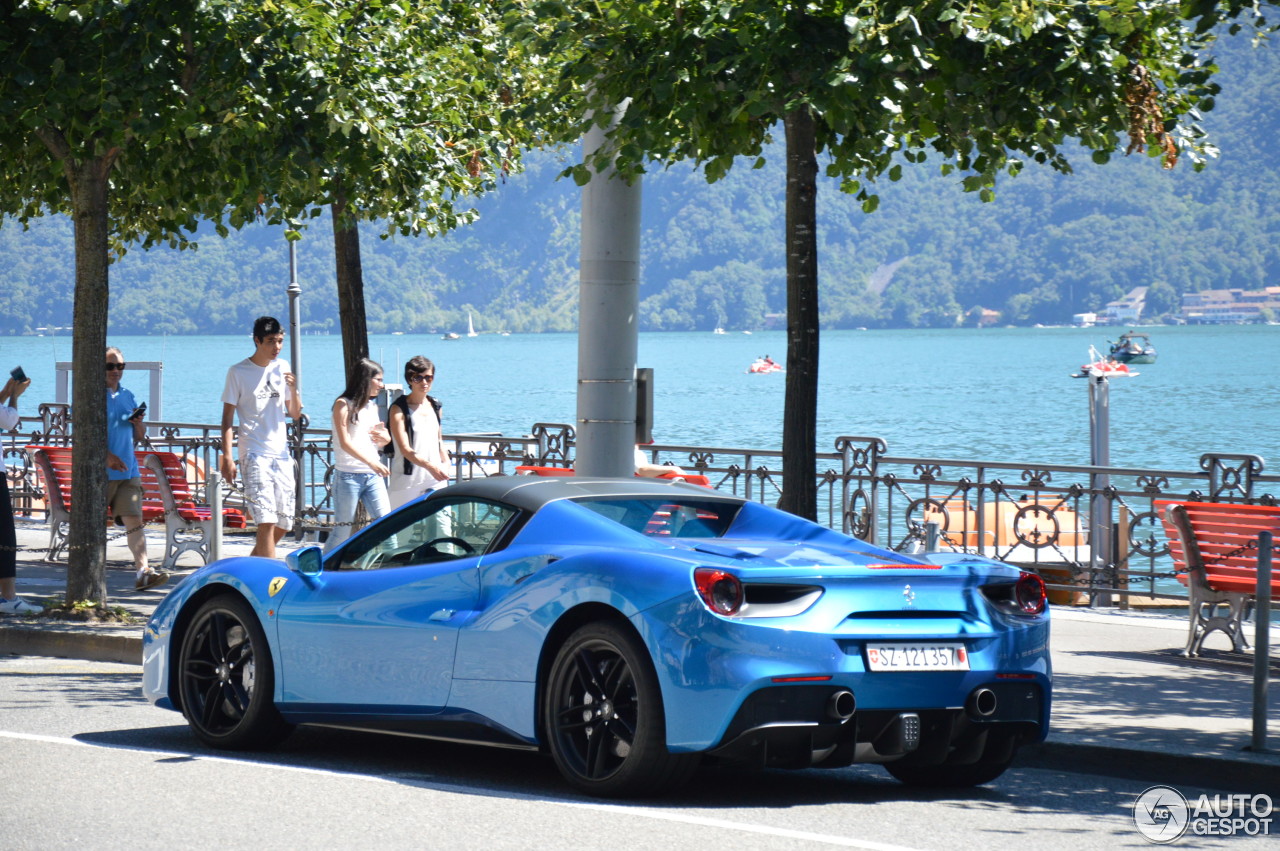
(609, 297)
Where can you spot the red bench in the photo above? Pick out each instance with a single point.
(166, 493)
(691, 478)
(1215, 551)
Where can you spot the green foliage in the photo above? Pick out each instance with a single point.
(981, 86)
(1068, 243)
(398, 111)
(127, 84)
(140, 118)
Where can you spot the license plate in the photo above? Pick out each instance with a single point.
(917, 657)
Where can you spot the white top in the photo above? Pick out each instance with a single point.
(9, 420)
(358, 425)
(259, 394)
(426, 443)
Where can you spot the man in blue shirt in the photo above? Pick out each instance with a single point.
(124, 482)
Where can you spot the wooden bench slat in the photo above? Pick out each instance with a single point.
(184, 517)
(1218, 561)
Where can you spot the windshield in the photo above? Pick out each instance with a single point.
(665, 516)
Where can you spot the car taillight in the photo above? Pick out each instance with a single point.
(1029, 594)
(720, 591)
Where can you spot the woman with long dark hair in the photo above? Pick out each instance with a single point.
(359, 475)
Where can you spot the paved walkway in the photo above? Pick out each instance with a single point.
(1125, 702)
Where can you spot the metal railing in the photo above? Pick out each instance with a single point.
(1092, 532)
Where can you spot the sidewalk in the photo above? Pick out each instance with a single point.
(1125, 702)
(97, 642)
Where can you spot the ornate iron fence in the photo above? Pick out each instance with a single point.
(1091, 531)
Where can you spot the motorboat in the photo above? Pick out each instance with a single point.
(763, 365)
(1133, 348)
(450, 336)
(1103, 367)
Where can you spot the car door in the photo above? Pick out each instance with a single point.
(376, 630)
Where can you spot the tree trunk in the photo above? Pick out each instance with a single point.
(800, 417)
(87, 540)
(346, 249)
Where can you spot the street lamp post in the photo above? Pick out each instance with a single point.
(294, 292)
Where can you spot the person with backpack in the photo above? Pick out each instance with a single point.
(420, 463)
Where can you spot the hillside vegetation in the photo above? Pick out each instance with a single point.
(1047, 247)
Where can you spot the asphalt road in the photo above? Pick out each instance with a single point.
(85, 763)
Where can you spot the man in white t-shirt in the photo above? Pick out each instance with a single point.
(261, 389)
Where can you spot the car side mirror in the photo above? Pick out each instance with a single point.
(307, 561)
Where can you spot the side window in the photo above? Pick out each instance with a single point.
(428, 533)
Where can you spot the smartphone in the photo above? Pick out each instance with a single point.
(138, 411)
(17, 374)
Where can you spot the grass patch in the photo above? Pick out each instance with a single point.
(84, 611)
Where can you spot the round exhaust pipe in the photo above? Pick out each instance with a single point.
(840, 705)
(982, 703)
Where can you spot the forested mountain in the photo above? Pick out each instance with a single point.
(1047, 247)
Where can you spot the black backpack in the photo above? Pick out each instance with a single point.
(402, 402)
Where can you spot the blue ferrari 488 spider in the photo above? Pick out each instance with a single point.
(630, 628)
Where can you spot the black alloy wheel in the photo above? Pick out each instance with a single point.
(604, 718)
(226, 678)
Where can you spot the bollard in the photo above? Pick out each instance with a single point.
(215, 506)
(1262, 644)
(931, 533)
(1099, 485)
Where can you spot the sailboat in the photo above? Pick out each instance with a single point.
(471, 329)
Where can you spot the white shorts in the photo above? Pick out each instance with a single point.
(269, 489)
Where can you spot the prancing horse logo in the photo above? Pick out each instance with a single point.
(276, 584)
(909, 596)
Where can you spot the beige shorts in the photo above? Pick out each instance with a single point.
(124, 498)
(268, 489)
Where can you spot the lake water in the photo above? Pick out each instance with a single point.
(992, 394)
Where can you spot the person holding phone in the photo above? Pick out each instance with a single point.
(124, 481)
(10, 602)
(263, 392)
(359, 476)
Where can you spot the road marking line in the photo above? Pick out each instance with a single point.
(659, 815)
(61, 740)
(723, 824)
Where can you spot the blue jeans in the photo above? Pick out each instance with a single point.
(350, 489)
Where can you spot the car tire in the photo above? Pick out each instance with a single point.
(605, 725)
(226, 678)
(955, 776)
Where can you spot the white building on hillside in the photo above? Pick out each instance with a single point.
(1125, 311)
(1230, 307)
